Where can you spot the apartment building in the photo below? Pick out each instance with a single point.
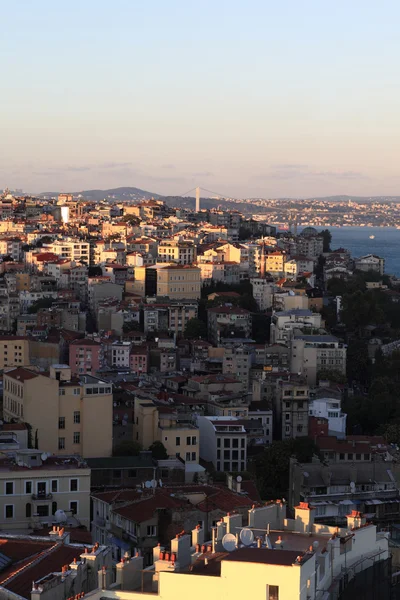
(179, 313)
(329, 409)
(223, 442)
(117, 354)
(180, 252)
(71, 249)
(177, 431)
(290, 406)
(65, 415)
(284, 323)
(310, 354)
(85, 357)
(33, 486)
(224, 272)
(178, 282)
(10, 246)
(237, 361)
(223, 320)
(263, 292)
(139, 359)
(370, 262)
(14, 351)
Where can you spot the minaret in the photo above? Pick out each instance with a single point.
(197, 199)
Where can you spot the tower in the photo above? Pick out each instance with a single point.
(197, 199)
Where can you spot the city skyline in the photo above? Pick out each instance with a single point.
(255, 101)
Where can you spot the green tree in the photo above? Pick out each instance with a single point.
(391, 433)
(244, 233)
(158, 450)
(195, 328)
(127, 448)
(41, 303)
(327, 238)
(131, 326)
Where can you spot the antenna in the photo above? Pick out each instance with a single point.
(246, 537)
(229, 542)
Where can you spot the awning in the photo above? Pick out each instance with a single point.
(372, 502)
(347, 502)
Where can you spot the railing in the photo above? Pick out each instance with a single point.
(42, 496)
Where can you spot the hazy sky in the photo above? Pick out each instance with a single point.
(248, 98)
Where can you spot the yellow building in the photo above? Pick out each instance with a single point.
(183, 253)
(33, 487)
(176, 431)
(14, 351)
(179, 282)
(66, 416)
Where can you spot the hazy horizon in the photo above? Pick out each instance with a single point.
(248, 99)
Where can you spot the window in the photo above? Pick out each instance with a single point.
(28, 510)
(235, 443)
(151, 530)
(358, 456)
(194, 440)
(54, 486)
(9, 511)
(272, 592)
(227, 443)
(188, 456)
(77, 437)
(243, 442)
(194, 456)
(73, 506)
(366, 456)
(28, 487)
(218, 442)
(77, 416)
(61, 443)
(177, 441)
(117, 473)
(350, 456)
(61, 423)
(43, 510)
(341, 456)
(73, 485)
(188, 440)
(9, 488)
(299, 428)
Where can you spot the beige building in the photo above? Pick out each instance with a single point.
(179, 282)
(310, 354)
(290, 406)
(182, 253)
(66, 416)
(176, 431)
(34, 486)
(14, 351)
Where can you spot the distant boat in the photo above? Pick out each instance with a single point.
(371, 237)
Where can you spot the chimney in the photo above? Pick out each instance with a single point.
(197, 536)
(129, 573)
(180, 546)
(304, 518)
(233, 522)
(355, 520)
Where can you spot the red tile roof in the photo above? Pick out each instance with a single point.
(21, 374)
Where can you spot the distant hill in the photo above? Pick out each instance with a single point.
(118, 194)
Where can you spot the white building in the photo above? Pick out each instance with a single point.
(370, 262)
(70, 249)
(284, 323)
(118, 354)
(297, 560)
(330, 409)
(263, 292)
(223, 441)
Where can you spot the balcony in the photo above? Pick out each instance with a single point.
(42, 496)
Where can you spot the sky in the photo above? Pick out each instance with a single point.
(245, 98)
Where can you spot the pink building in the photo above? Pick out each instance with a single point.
(139, 359)
(84, 357)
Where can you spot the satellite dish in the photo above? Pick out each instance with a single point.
(352, 486)
(153, 483)
(147, 484)
(239, 479)
(60, 516)
(44, 456)
(246, 537)
(160, 482)
(229, 542)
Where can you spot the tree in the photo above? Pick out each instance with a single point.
(158, 450)
(327, 238)
(127, 448)
(95, 272)
(272, 465)
(41, 303)
(131, 326)
(195, 328)
(131, 219)
(244, 233)
(391, 433)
